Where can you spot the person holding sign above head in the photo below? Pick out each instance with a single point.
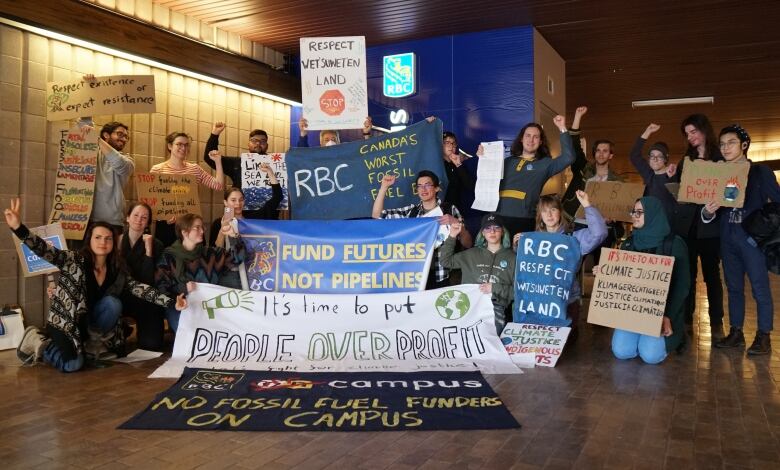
(178, 145)
(328, 137)
(429, 206)
(652, 234)
(85, 302)
(231, 166)
(653, 170)
(741, 254)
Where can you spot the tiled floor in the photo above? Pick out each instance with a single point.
(704, 409)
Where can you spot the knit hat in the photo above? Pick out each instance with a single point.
(661, 147)
(490, 220)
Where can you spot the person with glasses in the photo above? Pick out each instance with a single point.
(231, 166)
(490, 263)
(653, 170)
(741, 253)
(652, 234)
(328, 137)
(461, 172)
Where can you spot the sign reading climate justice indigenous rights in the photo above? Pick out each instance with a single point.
(630, 291)
(702, 181)
(168, 195)
(614, 199)
(443, 329)
(333, 82)
(117, 94)
(544, 342)
(292, 401)
(350, 256)
(74, 187)
(342, 181)
(32, 264)
(546, 268)
(255, 183)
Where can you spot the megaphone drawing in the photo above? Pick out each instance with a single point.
(230, 299)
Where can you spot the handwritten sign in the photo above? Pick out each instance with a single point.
(74, 187)
(630, 291)
(32, 264)
(614, 199)
(545, 343)
(168, 195)
(703, 181)
(255, 183)
(333, 82)
(116, 94)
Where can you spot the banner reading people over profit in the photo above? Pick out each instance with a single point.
(546, 268)
(338, 257)
(614, 199)
(32, 264)
(342, 181)
(168, 195)
(117, 94)
(74, 187)
(630, 291)
(205, 399)
(703, 181)
(544, 342)
(255, 183)
(445, 329)
(333, 82)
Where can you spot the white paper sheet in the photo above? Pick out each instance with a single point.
(490, 170)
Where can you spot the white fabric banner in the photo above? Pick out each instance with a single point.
(443, 329)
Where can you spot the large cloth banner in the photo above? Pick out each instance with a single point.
(546, 269)
(338, 257)
(255, 183)
(342, 181)
(444, 329)
(204, 399)
(117, 94)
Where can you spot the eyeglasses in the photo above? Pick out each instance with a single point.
(449, 142)
(425, 186)
(657, 157)
(121, 135)
(179, 144)
(636, 213)
(492, 228)
(258, 141)
(730, 143)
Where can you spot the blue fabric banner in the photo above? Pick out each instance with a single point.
(546, 269)
(338, 257)
(341, 181)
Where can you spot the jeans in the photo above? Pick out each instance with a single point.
(172, 315)
(627, 345)
(53, 356)
(741, 256)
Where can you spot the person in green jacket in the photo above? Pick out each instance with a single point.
(490, 263)
(652, 234)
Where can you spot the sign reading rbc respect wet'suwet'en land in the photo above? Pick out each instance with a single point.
(168, 195)
(116, 94)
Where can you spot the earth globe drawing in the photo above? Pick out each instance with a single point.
(453, 304)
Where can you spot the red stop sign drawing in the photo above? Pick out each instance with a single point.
(332, 102)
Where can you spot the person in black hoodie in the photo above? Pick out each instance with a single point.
(653, 170)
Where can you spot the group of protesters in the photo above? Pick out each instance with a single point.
(124, 270)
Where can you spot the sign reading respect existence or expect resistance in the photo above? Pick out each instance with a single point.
(255, 183)
(443, 329)
(702, 181)
(351, 256)
(117, 94)
(630, 291)
(333, 82)
(342, 181)
(168, 195)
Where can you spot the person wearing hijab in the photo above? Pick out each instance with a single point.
(652, 234)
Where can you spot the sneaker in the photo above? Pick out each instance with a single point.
(31, 347)
(761, 345)
(735, 339)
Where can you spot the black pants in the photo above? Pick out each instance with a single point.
(708, 251)
(148, 320)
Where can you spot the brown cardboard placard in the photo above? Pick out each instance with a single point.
(168, 195)
(613, 199)
(115, 94)
(703, 181)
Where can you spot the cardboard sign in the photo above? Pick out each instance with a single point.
(116, 94)
(168, 195)
(74, 187)
(545, 343)
(630, 290)
(613, 199)
(32, 264)
(255, 183)
(703, 181)
(333, 82)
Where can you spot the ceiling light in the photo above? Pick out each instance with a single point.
(674, 101)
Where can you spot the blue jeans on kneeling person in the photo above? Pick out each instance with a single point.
(172, 315)
(628, 345)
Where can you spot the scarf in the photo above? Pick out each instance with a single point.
(656, 226)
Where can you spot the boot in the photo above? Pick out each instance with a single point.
(30, 349)
(735, 339)
(761, 345)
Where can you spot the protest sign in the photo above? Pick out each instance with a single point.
(351, 256)
(613, 199)
(333, 82)
(32, 264)
(630, 289)
(168, 195)
(546, 268)
(204, 399)
(544, 342)
(116, 94)
(704, 181)
(342, 181)
(442, 329)
(74, 187)
(255, 183)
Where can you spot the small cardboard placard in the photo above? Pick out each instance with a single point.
(115, 94)
(704, 181)
(630, 290)
(613, 199)
(538, 344)
(168, 195)
(32, 264)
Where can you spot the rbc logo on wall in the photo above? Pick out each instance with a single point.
(398, 73)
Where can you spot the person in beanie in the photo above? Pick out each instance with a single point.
(653, 170)
(490, 263)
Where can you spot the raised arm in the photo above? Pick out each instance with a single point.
(213, 143)
(46, 251)
(637, 160)
(595, 233)
(567, 150)
(379, 202)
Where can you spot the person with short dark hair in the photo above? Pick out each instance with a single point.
(231, 166)
(653, 170)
